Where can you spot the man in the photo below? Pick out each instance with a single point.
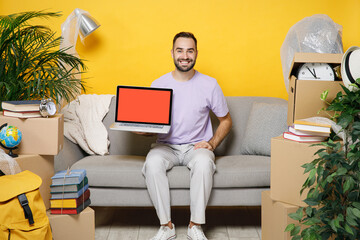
(190, 141)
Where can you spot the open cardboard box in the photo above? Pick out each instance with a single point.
(304, 95)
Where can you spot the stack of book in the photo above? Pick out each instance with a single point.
(21, 109)
(70, 192)
(307, 131)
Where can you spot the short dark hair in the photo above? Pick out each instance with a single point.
(185, 35)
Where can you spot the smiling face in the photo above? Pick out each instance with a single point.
(184, 53)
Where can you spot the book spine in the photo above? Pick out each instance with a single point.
(71, 202)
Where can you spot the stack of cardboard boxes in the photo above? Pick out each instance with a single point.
(287, 157)
(287, 178)
(42, 139)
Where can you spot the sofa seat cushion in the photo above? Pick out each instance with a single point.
(113, 170)
(125, 171)
(242, 171)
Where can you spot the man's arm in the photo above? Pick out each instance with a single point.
(220, 133)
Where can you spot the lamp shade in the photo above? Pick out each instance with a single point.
(87, 25)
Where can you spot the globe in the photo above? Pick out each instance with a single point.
(10, 136)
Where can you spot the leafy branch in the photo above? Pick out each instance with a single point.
(31, 64)
(333, 199)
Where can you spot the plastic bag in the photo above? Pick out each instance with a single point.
(317, 33)
(70, 30)
(8, 165)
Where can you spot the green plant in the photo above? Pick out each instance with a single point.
(333, 199)
(32, 66)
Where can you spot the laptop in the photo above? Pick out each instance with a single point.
(143, 109)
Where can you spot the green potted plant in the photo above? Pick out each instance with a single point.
(333, 199)
(32, 66)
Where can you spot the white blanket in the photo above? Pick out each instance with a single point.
(83, 123)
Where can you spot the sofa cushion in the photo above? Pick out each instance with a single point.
(240, 108)
(113, 170)
(242, 171)
(265, 122)
(125, 171)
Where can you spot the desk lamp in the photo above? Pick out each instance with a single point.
(78, 21)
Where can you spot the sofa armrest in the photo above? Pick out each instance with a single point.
(70, 154)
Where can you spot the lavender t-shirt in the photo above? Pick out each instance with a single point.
(192, 102)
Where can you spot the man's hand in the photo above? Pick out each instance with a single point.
(203, 144)
(145, 134)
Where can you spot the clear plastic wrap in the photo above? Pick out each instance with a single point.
(8, 165)
(70, 31)
(317, 33)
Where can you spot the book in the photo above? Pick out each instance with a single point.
(68, 188)
(21, 106)
(291, 129)
(311, 126)
(71, 210)
(66, 177)
(66, 195)
(70, 203)
(22, 114)
(303, 138)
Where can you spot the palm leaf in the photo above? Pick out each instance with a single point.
(31, 64)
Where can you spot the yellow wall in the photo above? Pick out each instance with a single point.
(238, 40)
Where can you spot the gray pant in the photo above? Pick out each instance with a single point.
(160, 159)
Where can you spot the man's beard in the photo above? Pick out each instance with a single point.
(184, 69)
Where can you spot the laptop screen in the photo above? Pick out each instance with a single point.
(143, 105)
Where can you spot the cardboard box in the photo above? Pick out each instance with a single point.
(304, 95)
(274, 218)
(42, 166)
(287, 175)
(73, 227)
(44, 136)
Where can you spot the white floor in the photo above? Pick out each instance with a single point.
(228, 223)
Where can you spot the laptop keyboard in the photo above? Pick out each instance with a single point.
(141, 125)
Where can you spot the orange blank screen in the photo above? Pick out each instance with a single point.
(143, 105)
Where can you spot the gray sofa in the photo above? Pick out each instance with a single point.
(242, 162)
